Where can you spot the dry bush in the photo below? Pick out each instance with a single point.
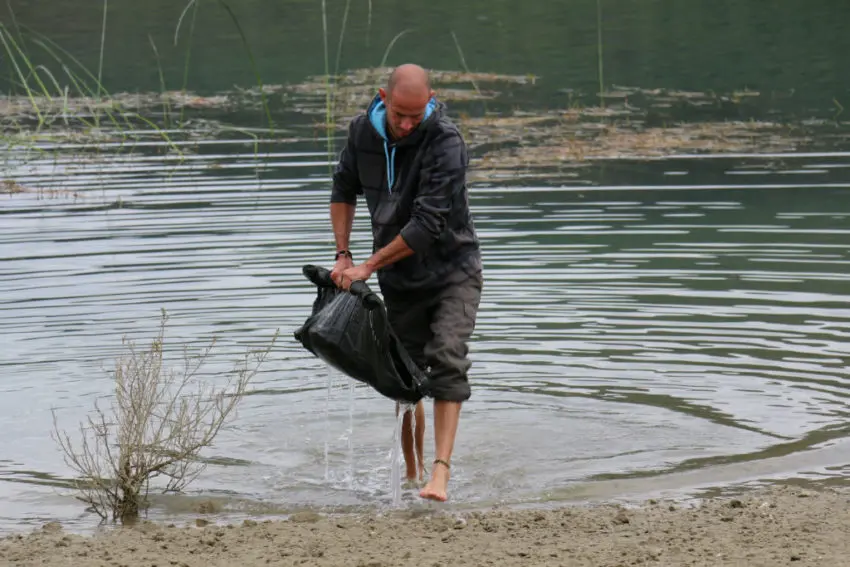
(156, 426)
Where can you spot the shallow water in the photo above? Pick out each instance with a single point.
(687, 330)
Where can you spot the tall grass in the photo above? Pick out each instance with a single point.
(102, 45)
(166, 107)
(42, 87)
(599, 57)
(256, 71)
(330, 79)
(194, 6)
(397, 37)
(332, 76)
(73, 96)
(329, 121)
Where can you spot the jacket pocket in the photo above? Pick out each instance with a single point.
(386, 212)
(372, 171)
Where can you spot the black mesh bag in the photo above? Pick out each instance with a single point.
(349, 330)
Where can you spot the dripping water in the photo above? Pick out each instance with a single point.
(396, 458)
(328, 424)
(350, 434)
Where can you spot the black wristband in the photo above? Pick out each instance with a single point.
(343, 253)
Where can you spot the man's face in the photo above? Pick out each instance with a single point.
(405, 109)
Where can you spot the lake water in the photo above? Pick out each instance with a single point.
(651, 322)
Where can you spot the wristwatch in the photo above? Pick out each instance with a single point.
(343, 253)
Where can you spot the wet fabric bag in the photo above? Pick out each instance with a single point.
(350, 331)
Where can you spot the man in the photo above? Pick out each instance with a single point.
(409, 161)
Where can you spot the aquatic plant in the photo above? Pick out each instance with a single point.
(71, 96)
(155, 428)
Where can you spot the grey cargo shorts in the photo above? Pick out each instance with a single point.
(435, 328)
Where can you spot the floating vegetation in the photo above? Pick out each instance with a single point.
(15, 109)
(12, 187)
(634, 123)
(628, 123)
(525, 145)
(353, 91)
(370, 79)
(662, 97)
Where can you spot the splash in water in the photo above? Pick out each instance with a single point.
(396, 458)
(328, 425)
(350, 435)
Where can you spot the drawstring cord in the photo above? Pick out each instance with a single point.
(390, 166)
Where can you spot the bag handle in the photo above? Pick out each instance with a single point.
(321, 277)
(369, 297)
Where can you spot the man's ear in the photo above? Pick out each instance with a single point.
(383, 93)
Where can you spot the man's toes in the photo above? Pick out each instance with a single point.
(431, 494)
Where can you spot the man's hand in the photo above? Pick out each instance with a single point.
(343, 263)
(345, 271)
(357, 273)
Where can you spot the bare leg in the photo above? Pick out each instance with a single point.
(413, 452)
(446, 417)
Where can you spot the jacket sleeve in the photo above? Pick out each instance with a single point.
(346, 180)
(442, 177)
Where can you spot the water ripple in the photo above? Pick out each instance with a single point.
(624, 329)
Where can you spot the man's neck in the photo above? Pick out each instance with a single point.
(390, 136)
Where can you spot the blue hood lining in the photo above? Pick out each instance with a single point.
(378, 118)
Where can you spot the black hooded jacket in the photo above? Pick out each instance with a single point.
(415, 187)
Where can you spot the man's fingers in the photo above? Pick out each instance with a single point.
(340, 280)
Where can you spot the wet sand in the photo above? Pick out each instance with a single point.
(777, 526)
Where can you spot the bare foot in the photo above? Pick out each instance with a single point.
(436, 488)
(414, 480)
(412, 475)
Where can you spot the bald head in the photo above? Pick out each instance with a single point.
(406, 98)
(410, 78)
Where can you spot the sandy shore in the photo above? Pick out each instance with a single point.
(778, 526)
